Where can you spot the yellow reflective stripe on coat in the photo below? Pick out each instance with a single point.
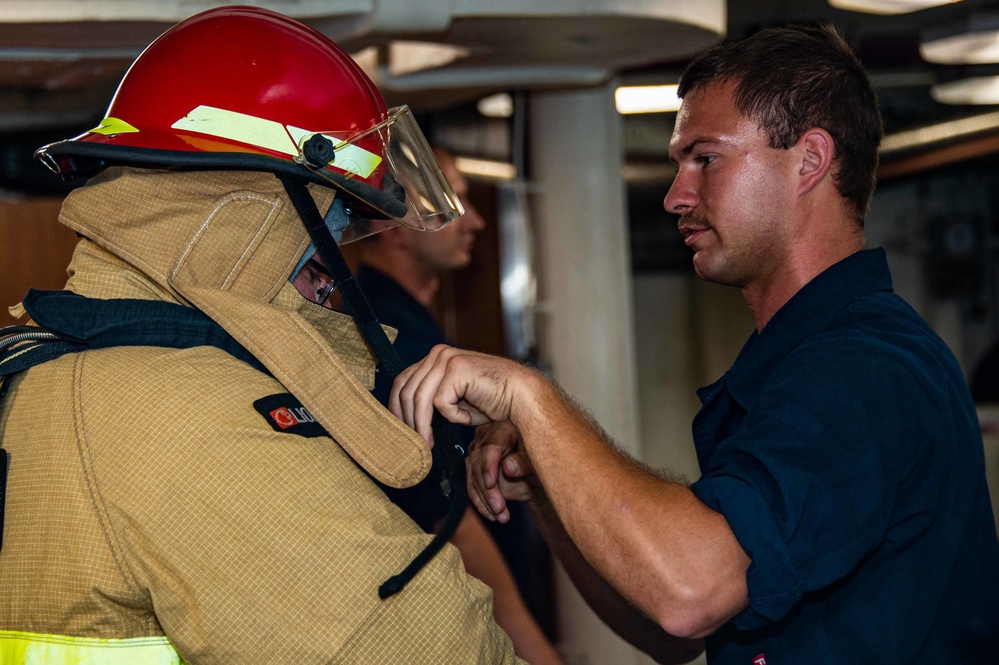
(36, 649)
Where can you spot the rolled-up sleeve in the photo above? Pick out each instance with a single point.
(807, 482)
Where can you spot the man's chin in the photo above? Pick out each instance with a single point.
(704, 269)
(717, 274)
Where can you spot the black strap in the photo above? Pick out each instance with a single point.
(68, 322)
(444, 437)
(3, 490)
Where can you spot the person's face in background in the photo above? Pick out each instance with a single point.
(435, 252)
(451, 247)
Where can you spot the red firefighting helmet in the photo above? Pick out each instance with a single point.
(247, 88)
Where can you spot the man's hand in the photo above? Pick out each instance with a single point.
(468, 388)
(499, 471)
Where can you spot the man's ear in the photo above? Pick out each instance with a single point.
(817, 152)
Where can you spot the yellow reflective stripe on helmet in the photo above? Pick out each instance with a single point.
(238, 127)
(272, 135)
(113, 126)
(36, 648)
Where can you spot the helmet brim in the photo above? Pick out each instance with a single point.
(81, 159)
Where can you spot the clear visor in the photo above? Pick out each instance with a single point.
(391, 172)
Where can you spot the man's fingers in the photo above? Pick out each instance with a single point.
(517, 466)
(489, 502)
(474, 471)
(480, 496)
(485, 454)
(424, 396)
(492, 505)
(406, 388)
(497, 505)
(395, 403)
(468, 388)
(493, 444)
(452, 384)
(480, 504)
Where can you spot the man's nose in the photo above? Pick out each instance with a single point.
(472, 220)
(682, 196)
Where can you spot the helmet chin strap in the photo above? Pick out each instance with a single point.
(454, 483)
(336, 221)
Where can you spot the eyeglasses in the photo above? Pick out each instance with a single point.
(325, 288)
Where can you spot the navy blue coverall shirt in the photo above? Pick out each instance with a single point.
(844, 451)
(418, 334)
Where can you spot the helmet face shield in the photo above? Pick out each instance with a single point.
(405, 184)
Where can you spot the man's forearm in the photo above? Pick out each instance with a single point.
(653, 540)
(622, 617)
(662, 549)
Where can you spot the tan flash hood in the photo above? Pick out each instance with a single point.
(226, 242)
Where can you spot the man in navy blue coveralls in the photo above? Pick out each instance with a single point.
(400, 274)
(842, 514)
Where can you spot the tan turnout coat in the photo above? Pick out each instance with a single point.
(147, 498)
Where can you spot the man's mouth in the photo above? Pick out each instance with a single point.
(691, 232)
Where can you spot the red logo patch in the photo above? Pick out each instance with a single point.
(760, 660)
(285, 419)
(286, 414)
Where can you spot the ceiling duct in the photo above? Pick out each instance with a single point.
(492, 46)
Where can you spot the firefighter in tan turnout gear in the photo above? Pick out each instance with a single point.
(188, 441)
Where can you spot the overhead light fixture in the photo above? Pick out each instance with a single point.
(972, 42)
(944, 131)
(485, 168)
(970, 48)
(499, 105)
(973, 90)
(646, 99)
(408, 57)
(888, 6)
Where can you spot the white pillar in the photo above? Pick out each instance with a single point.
(584, 288)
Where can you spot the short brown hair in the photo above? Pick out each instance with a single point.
(791, 79)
